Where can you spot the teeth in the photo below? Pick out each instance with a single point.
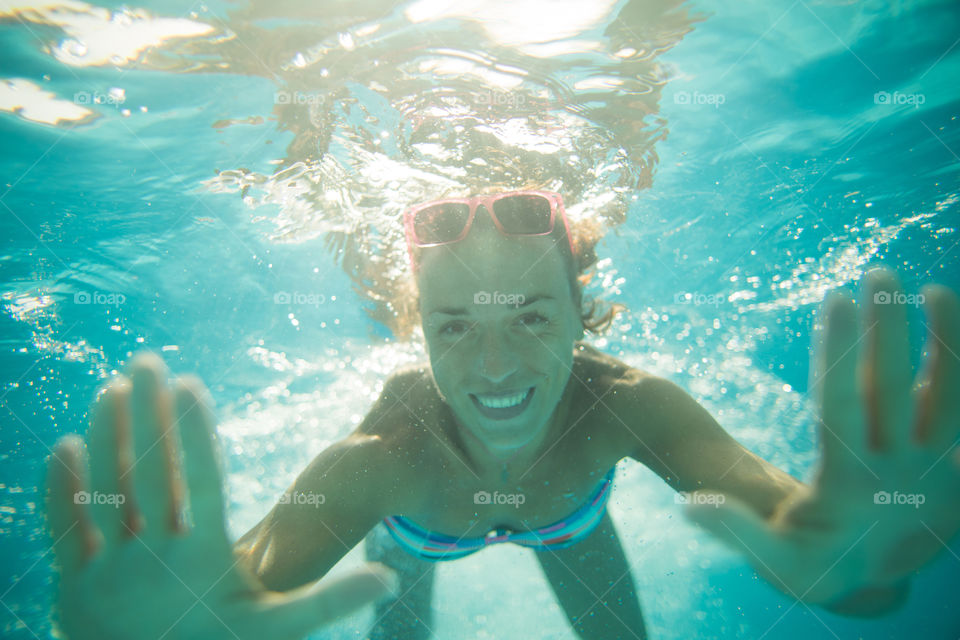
(502, 403)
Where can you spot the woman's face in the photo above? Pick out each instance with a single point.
(500, 323)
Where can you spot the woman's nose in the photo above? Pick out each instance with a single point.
(497, 360)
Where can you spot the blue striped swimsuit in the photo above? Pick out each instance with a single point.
(559, 535)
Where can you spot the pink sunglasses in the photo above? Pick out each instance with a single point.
(514, 213)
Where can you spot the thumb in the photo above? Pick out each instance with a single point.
(328, 600)
(735, 523)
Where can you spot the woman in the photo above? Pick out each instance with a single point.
(508, 435)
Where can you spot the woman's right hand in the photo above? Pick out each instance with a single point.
(131, 566)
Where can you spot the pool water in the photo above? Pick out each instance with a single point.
(201, 181)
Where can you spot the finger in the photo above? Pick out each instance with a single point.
(75, 540)
(938, 411)
(841, 423)
(887, 376)
(201, 465)
(109, 445)
(154, 478)
(329, 600)
(132, 523)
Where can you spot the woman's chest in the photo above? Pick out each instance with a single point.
(469, 506)
(459, 500)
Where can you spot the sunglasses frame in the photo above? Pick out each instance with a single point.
(487, 201)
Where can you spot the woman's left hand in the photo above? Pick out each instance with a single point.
(886, 498)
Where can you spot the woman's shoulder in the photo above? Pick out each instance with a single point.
(600, 370)
(613, 396)
(405, 407)
(389, 438)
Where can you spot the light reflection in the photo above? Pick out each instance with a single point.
(29, 101)
(97, 36)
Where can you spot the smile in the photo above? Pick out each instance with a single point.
(503, 407)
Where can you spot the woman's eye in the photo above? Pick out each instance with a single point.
(452, 328)
(533, 319)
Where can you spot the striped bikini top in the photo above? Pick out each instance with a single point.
(559, 535)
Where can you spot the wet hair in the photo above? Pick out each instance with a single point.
(596, 315)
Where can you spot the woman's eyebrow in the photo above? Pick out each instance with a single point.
(461, 311)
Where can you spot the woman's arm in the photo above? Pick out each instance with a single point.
(685, 445)
(334, 502)
(320, 517)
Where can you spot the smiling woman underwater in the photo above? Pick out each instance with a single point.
(435, 447)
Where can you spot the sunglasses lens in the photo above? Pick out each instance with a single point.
(441, 222)
(523, 214)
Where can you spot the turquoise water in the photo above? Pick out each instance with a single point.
(762, 156)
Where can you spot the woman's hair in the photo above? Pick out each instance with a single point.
(596, 315)
(378, 137)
